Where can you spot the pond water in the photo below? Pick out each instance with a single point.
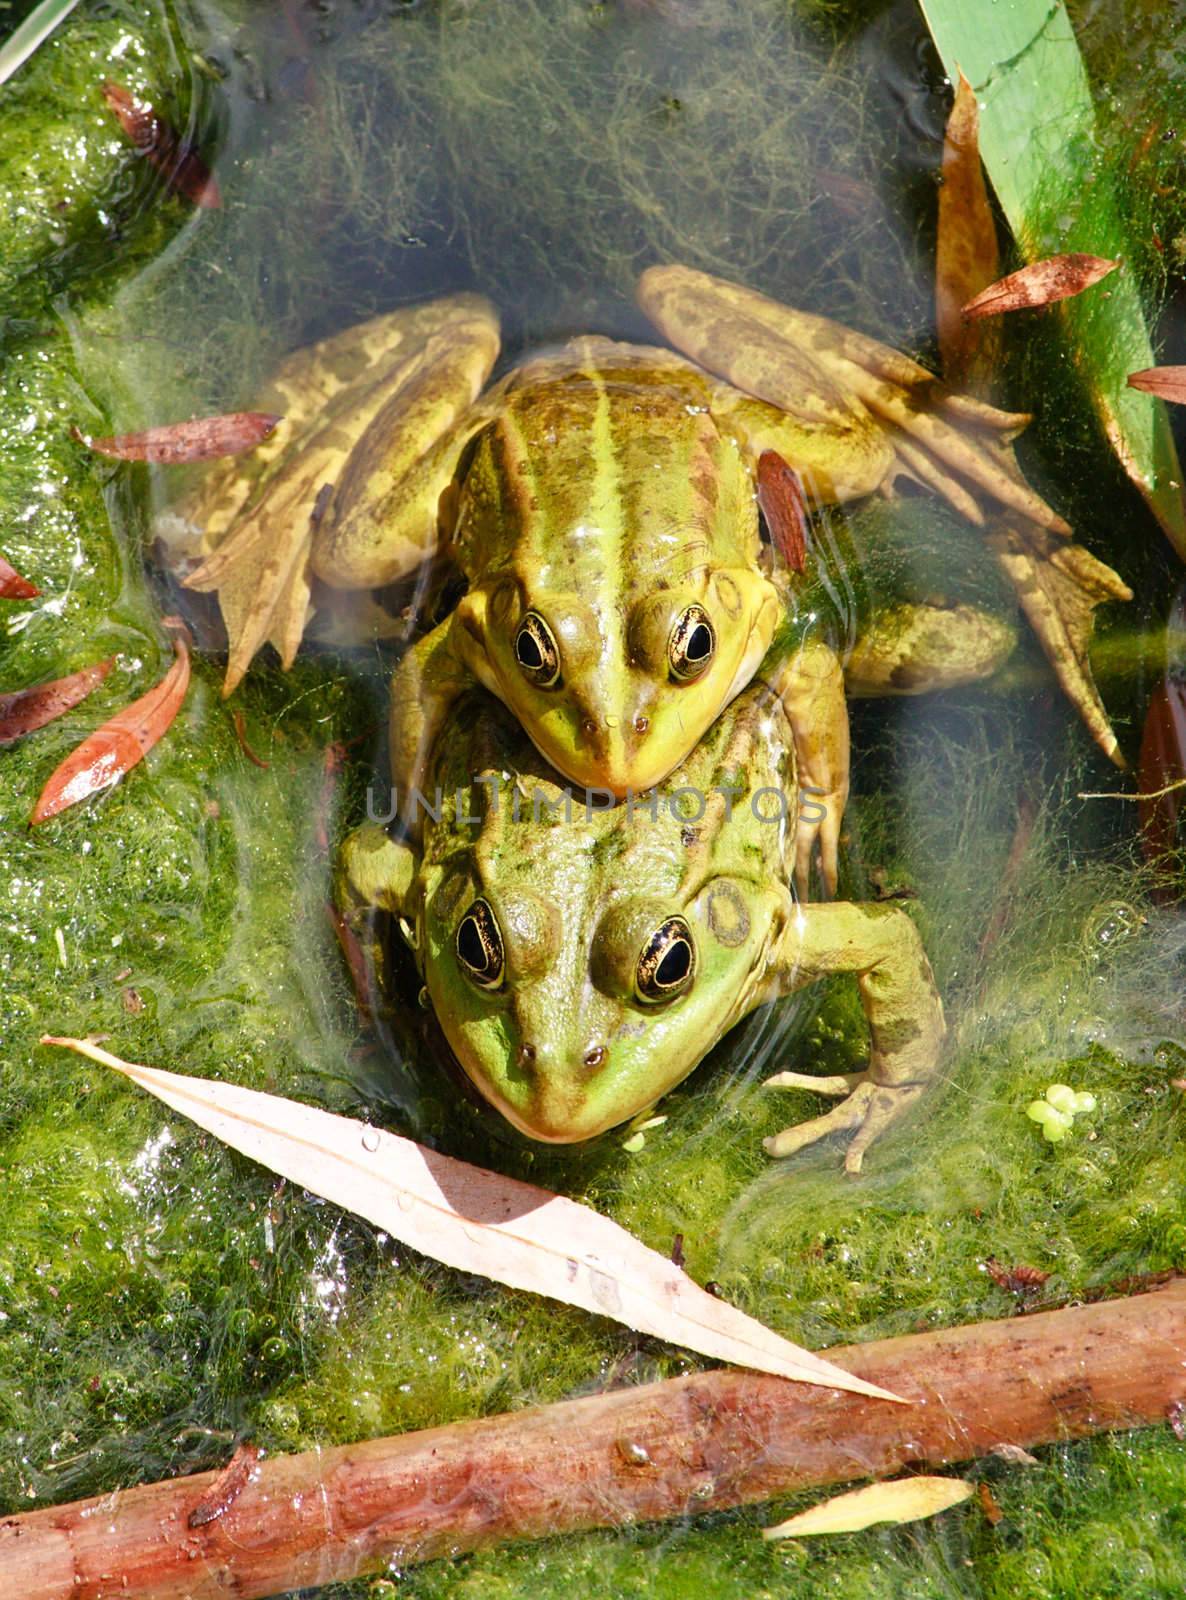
(161, 1299)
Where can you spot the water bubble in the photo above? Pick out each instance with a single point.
(370, 1139)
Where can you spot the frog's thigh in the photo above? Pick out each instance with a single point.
(384, 517)
(915, 648)
(880, 946)
(838, 459)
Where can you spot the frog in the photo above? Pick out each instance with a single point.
(601, 503)
(584, 955)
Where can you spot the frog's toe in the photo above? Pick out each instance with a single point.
(867, 1111)
(824, 832)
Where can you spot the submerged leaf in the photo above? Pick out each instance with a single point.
(13, 586)
(966, 251)
(183, 168)
(1040, 284)
(904, 1500)
(478, 1221)
(1167, 383)
(115, 748)
(201, 439)
(29, 709)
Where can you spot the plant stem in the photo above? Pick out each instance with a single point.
(699, 1443)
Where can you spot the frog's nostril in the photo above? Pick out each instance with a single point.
(641, 724)
(589, 726)
(595, 1056)
(526, 1055)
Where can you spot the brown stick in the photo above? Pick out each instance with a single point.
(691, 1444)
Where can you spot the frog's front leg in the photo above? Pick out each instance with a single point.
(811, 687)
(881, 947)
(429, 678)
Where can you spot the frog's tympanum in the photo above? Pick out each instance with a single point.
(600, 503)
(582, 957)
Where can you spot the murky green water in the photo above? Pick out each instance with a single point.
(160, 1299)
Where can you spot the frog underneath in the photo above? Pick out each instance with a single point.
(583, 958)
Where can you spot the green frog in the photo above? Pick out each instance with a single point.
(583, 956)
(601, 503)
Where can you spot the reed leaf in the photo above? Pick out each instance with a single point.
(1039, 145)
(36, 27)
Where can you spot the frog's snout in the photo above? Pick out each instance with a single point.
(555, 1105)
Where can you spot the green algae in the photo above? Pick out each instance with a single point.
(162, 1298)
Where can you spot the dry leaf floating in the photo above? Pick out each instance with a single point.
(114, 749)
(480, 1222)
(201, 439)
(1040, 284)
(29, 709)
(903, 1500)
(1167, 383)
(13, 586)
(155, 138)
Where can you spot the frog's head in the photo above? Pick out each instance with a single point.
(574, 993)
(617, 602)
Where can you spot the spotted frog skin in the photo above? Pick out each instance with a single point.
(582, 958)
(601, 505)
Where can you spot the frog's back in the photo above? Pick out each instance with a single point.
(604, 467)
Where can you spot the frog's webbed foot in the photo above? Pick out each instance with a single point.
(867, 1111)
(956, 445)
(1058, 587)
(349, 485)
(879, 945)
(800, 364)
(811, 687)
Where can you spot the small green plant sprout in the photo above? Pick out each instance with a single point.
(1057, 1112)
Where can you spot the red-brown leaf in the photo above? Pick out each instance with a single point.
(1167, 383)
(781, 501)
(28, 709)
(13, 586)
(1162, 764)
(1017, 1280)
(184, 170)
(1040, 284)
(201, 439)
(966, 252)
(115, 748)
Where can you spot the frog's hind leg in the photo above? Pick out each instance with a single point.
(811, 687)
(880, 946)
(916, 647)
(349, 487)
(820, 373)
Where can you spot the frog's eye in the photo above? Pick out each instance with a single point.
(691, 645)
(479, 946)
(536, 651)
(667, 964)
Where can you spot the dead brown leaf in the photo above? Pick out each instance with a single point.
(1041, 283)
(114, 749)
(200, 439)
(13, 586)
(29, 709)
(967, 256)
(1167, 383)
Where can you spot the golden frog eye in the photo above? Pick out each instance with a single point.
(692, 644)
(536, 651)
(479, 946)
(667, 964)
